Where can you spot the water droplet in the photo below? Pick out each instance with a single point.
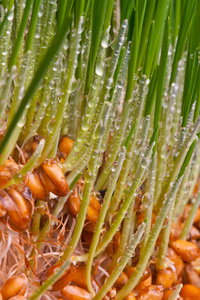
(145, 162)
(99, 69)
(146, 200)
(109, 83)
(21, 92)
(88, 176)
(10, 17)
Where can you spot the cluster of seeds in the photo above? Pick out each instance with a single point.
(47, 183)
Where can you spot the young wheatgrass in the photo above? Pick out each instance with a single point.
(5, 42)
(19, 87)
(148, 200)
(122, 263)
(39, 74)
(140, 148)
(148, 249)
(177, 163)
(61, 76)
(112, 155)
(89, 110)
(104, 94)
(116, 142)
(127, 227)
(68, 84)
(16, 49)
(180, 194)
(3, 23)
(130, 152)
(89, 176)
(159, 112)
(165, 233)
(129, 197)
(101, 219)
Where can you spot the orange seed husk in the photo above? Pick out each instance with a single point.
(74, 203)
(48, 183)
(188, 251)
(75, 293)
(94, 203)
(34, 183)
(166, 278)
(65, 146)
(18, 215)
(16, 285)
(92, 214)
(152, 292)
(80, 275)
(176, 259)
(54, 171)
(190, 292)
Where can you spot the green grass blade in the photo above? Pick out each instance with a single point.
(147, 65)
(31, 31)
(187, 159)
(127, 142)
(62, 4)
(183, 33)
(189, 86)
(40, 73)
(121, 263)
(108, 14)
(20, 35)
(138, 22)
(161, 74)
(152, 92)
(175, 19)
(99, 11)
(3, 23)
(78, 11)
(145, 30)
(160, 19)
